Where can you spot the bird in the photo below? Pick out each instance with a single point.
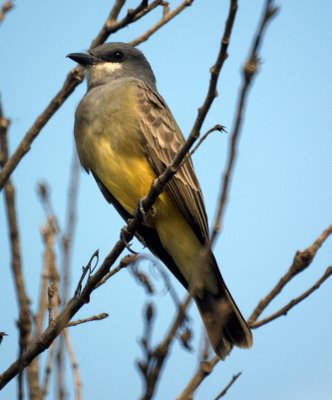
(126, 136)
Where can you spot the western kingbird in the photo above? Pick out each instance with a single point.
(126, 136)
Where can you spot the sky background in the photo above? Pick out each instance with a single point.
(280, 199)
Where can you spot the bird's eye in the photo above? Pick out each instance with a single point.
(118, 55)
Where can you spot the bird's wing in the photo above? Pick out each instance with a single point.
(162, 138)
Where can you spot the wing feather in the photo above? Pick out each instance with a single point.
(162, 138)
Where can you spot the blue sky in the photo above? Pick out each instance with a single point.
(280, 198)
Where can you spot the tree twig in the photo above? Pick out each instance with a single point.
(249, 70)
(167, 16)
(215, 128)
(48, 370)
(301, 261)
(74, 366)
(205, 368)
(152, 366)
(84, 320)
(231, 383)
(284, 310)
(24, 320)
(5, 8)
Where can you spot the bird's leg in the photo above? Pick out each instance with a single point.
(144, 216)
(123, 234)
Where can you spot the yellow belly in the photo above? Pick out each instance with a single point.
(129, 177)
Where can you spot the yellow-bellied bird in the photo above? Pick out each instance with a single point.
(126, 136)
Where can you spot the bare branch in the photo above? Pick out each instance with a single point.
(167, 16)
(125, 261)
(284, 310)
(152, 366)
(301, 261)
(48, 370)
(225, 390)
(2, 334)
(74, 366)
(24, 320)
(205, 368)
(84, 320)
(5, 8)
(69, 230)
(215, 128)
(110, 26)
(67, 238)
(249, 71)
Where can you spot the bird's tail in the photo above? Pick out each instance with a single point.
(223, 321)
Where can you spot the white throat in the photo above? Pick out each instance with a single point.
(99, 71)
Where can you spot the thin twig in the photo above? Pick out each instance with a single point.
(155, 359)
(249, 70)
(84, 320)
(166, 17)
(69, 230)
(301, 261)
(48, 370)
(284, 310)
(225, 390)
(125, 261)
(5, 8)
(74, 366)
(24, 320)
(48, 233)
(215, 128)
(67, 239)
(205, 368)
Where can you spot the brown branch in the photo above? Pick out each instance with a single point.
(48, 233)
(152, 366)
(231, 383)
(249, 71)
(5, 8)
(24, 320)
(66, 239)
(284, 310)
(74, 77)
(69, 231)
(167, 16)
(48, 370)
(215, 128)
(84, 320)
(2, 334)
(125, 261)
(111, 26)
(205, 368)
(74, 366)
(301, 261)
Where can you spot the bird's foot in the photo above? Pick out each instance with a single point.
(143, 215)
(123, 235)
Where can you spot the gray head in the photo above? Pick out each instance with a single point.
(114, 61)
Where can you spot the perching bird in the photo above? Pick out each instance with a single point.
(126, 136)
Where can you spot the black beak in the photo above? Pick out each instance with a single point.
(83, 59)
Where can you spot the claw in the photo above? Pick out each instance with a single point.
(123, 238)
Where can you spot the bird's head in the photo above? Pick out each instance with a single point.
(112, 61)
